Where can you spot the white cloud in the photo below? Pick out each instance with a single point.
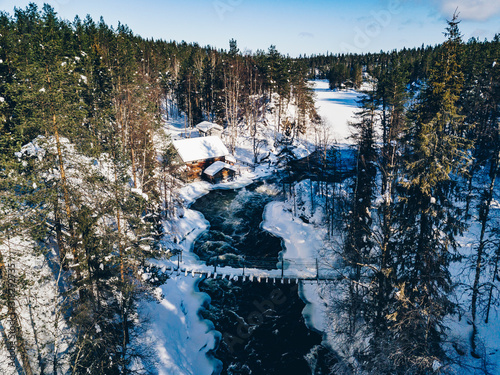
(306, 35)
(476, 10)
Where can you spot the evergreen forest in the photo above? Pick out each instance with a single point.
(87, 179)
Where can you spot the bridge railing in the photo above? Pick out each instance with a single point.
(312, 268)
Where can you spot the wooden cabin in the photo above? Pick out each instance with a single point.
(206, 129)
(219, 171)
(199, 153)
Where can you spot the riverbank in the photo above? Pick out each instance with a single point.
(177, 331)
(302, 242)
(179, 338)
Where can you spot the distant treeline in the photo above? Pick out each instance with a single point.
(346, 69)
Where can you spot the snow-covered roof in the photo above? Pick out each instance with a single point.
(200, 148)
(217, 167)
(206, 126)
(231, 159)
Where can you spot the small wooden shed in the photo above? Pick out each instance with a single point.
(207, 128)
(219, 171)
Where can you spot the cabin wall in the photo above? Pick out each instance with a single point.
(228, 174)
(216, 132)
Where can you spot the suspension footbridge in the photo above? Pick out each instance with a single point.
(285, 271)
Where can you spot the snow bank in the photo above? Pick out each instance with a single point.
(302, 242)
(179, 338)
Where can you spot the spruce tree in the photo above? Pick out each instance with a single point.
(428, 216)
(483, 108)
(391, 98)
(359, 243)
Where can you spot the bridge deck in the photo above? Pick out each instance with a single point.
(286, 276)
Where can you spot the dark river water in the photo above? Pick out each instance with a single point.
(261, 325)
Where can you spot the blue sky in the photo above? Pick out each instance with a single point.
(294, 27)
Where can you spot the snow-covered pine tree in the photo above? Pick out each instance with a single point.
(391, 99)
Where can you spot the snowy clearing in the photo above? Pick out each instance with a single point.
(337, 108)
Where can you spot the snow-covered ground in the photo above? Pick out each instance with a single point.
(180, 339)
(337, 108)
(38, 307)
(460, 327)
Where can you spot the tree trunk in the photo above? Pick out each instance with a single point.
(64, 183)
(490, 293)
(484, 213)
(58, 228)
(41, 361)
(134, 177)
(8, 286)
(120, 247)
